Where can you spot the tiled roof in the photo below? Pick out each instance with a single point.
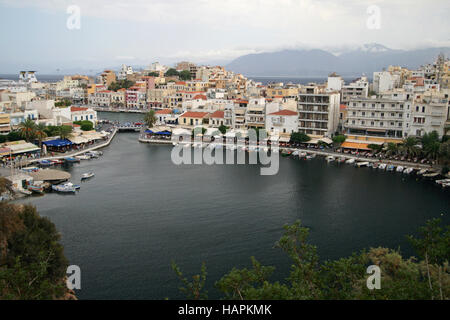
(217, 114)
(194, 114)
(284, 113)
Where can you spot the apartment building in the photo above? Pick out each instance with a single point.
(282, 121)
(106, 78)
(101, 99)
(318, 112)
(356, 89)
(429, 113)
(386, 116)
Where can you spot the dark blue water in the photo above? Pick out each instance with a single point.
(140, 212)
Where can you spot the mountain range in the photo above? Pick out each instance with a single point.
(319, 63)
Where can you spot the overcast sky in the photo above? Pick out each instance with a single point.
(34, 33)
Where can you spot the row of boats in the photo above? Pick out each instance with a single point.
(87, 156)
(426, 173)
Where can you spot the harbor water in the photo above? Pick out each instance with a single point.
(141, 211)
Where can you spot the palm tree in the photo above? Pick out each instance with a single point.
(40, 133)
(432, 150)
(392, 149)
(65, 132)
(409, 145)
(27, 129)
(150, 118)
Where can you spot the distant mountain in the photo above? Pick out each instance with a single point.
(319, 63)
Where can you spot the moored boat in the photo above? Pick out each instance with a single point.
(87, 175)
(400, 169)
(382, 166)
(408, 170)
(63, 188)
(350, 161)
(362, 164)
(390, 167)
(45, 163)
(36, 188)
(71, 160)
(422, 172)
(330, 159)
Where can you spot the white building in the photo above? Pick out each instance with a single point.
(124, 72)
(283, 121)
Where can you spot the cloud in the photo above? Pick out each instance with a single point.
(224, 29)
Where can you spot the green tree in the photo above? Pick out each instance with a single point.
(64, 131)
(299, 137)
(339, 139)
(150, 118)
(392, 149)
(223, 129)
(85, 125)
(171, 73)
(14, 136)
(375, 147)
(40, 133)
(409, 146)
(27, 129)
(32, 264)
(121, 84)
(194, 289)
(185, 75)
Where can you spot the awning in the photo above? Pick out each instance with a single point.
(354, 145)
(4, 151)
(23, 147)
(326, 140)
(181, 131)
(148, 131)
(57, 143)
(165, 133)
(78, 139)
(285, 139)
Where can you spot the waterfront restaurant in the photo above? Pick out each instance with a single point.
(158, 133)
(57, 145)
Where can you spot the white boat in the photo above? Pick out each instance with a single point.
(408, 170)
(302, 154)
(87, 175)
(400, 169)
(350, 161)
(362, 164)
(63, 188)
(422, 171)
(431, 175)
(390, 167)
(330, 158)
(83, 157)
(443, 181)
(382, 166)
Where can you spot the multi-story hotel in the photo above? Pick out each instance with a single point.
(318, 113)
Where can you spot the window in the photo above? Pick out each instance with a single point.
(423, 109)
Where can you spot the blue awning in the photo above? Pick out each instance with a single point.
(148, 131)
(57, 143)
(168, 133)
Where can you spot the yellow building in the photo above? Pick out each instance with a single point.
(281, 92)
(5, 126)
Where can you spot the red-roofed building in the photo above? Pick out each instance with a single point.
(217, 119)
(82, 114)
(282, 121)
(193, 118)
(163, 115)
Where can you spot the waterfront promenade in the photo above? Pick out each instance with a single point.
(326, 153)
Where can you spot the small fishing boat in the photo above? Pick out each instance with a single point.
(302, 154)
(36, 188)
(63, 188)
(431, 175)
(390, 167)
(70, 184)
(422, 172)
(285, 153)
(362, 164)
(295, 153)
(408, 170)
(341, 160)
(83, 157)
(330, 159)
(400, 169)
(87, 175)
(443, 181)
(57, 161)
(350, 161)
(45, 163)
(71, 160)
(382, 166)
